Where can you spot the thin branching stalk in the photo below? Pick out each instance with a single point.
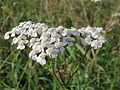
(54, 74)
(58, 80)
(53, 71)
(60, 74)
(76, 69)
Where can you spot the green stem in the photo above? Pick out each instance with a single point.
(60, 74)
(53, 72)
(76, 69)
(58, 80)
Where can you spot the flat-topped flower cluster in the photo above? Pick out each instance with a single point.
(46, 41)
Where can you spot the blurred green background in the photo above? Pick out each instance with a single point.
(99, 71)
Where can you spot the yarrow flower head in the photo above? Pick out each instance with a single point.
(45, 41)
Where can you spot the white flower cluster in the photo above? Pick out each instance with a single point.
(46, 41)
(92, 36)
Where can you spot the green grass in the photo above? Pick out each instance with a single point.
(99, 71)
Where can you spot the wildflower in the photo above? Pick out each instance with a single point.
(86, 41)
(45, 41)
(13, 34)
(74, 31)
(41, 58)
(59, 45)
(33, 55)
(32, 41)
(21, 45)
(66, 32)
(52, 52)
(96, 44)
(7, 35)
